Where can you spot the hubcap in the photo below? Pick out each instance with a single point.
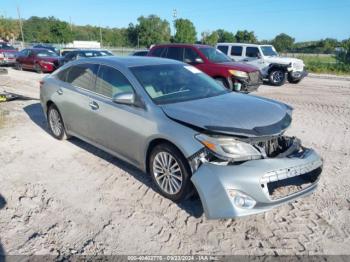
(277, 76)
(55, 122)
(167, 173)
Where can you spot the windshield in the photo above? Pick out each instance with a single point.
(6, 46)
(46, 53)
(268, 51)
(214, 55)
(176, 83)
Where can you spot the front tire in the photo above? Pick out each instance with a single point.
(170, 172)
(18, 66)
(55, 123)
(38, 69)
(293, 81)
(277, 77)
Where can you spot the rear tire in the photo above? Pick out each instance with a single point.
(277, 77)
(170, 172)
(18, 66)
(55, 123)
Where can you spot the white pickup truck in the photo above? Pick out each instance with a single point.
(274, 68)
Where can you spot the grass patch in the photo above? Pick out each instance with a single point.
(325, 65)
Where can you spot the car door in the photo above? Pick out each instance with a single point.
(21, 56)
(73, 98)
(253, 56)
(116, 126)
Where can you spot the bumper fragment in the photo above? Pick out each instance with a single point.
(252, 178)
(298, 75)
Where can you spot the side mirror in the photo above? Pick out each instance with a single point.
(199, 60)
(127, 98)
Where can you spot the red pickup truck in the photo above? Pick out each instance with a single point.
(7, 54)
(235, 76)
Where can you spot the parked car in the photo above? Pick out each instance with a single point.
(38, 59)
(7, 54)
(171, 120)
(274, 68)
(139, 53)
(47, 46)
(85, 53)
(234, 76)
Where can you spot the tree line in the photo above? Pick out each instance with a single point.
(150, 30)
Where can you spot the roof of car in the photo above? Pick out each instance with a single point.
(183, 45)
(243, 44)
(132, 61)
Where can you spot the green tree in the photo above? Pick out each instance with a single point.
(9, 29)
(152, 30)
(283, 42)
(328, 45)
(225, 36)
(344, 55)
(185, 31)
(210, 38)
(245, 37)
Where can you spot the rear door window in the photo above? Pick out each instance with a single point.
(176, 53)
(252, 51)
(223, 48)
(83, 75)
(111, 82)
(159, 51)
(236, 50)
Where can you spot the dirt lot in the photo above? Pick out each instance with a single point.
(71, 198)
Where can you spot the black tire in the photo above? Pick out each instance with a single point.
(223, 82)
(18, 66)
(186, 190)
(293, 81)
(61, 134)
(37, 68)
(277, 77)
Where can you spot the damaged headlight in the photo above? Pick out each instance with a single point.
(229, 148)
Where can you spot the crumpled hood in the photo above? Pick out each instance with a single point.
(283, 60)
(233, 114)
(238, 66)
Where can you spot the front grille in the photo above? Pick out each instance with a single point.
(254, 77)
(291, 185)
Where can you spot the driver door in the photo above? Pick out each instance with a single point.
(253, 57)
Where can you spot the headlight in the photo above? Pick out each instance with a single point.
(228, 148)
(238, 73)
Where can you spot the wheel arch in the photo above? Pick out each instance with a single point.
(277, 66)
(155, 142)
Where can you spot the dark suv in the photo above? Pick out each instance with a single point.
(235, 76)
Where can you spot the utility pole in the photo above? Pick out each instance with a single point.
(70, 24)
(20, 25)
(174, 19)
(100, 36)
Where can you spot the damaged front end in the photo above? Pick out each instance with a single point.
(241, 176)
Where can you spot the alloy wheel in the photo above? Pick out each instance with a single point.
(55, 122)
(167, 173)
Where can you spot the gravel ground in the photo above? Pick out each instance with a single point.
(64, 198)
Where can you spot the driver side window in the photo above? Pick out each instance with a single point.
(252, 52)
(110, 82)
(190, 56)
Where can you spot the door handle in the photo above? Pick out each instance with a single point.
(59, 91)
(93, 105)
(245, 60)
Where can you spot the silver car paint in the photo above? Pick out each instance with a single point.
(127, 131)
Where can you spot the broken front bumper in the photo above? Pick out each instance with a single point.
(256, 179)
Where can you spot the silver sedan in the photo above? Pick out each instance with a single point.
(188, 132)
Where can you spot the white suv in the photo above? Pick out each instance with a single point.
(274, 68)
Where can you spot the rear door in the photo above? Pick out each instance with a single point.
(236, 53)
(73, 98)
